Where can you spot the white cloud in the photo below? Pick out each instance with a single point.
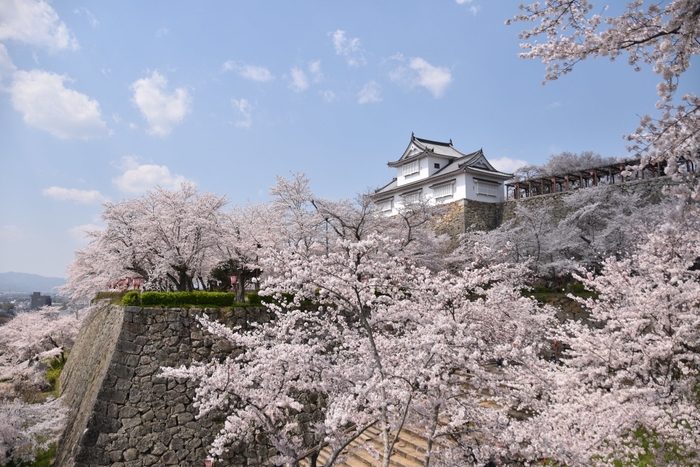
(555, 104)
(48, 105)
(244, 108)
(421, 73)
(474, 9)
(137, 178)
(315, 70)
(371, 92)
(162, 111)
(34, 22)
(162, 31)
(328, 95)
(508, 165)
(6, 65)
(348, 48)
(10, 232)
(79, 232)
(75, 195)
(299, 80)
(434, 79)
(251, 72)
(91, 18)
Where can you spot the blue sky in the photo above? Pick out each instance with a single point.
(100, 101)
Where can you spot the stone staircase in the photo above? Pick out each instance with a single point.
(408, 451)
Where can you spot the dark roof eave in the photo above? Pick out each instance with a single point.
(501, 175)
(438, 177)
(400, 162)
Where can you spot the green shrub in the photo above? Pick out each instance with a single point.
(542, 289)
(132, 298)
(578, 288)
(180, 299)
(254, 298)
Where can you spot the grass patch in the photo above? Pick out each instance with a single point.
(44, 458)
(115, 298)
(53, 373)
(657, 452)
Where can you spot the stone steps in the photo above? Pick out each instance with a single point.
(409, 450)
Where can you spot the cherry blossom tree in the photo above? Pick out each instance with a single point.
(562, 163)
(586, 227)
(386, 342)
(634, 371)
(26, 429)
(663, 35)
(168, 238)
(27, 342)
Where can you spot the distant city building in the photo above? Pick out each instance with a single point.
(38, 300)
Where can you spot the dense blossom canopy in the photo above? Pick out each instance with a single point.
(663, 35)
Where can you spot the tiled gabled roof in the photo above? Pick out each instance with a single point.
(475, 163)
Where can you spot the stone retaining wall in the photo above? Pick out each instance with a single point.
(649, 189)
(464, 215)
(122, 413)
(468, 215)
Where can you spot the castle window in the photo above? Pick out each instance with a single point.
(486, 188)
(444, 191)
(410, 168)
(411, 197)
(385, 205)
(436, 165)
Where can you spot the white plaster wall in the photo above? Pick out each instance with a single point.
(436, 160)
(424, 173)
(473, 195)
(465, 188)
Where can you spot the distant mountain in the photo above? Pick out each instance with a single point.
(21, 282)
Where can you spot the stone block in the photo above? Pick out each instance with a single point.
(145, 370)
(128, 412)
(169, 458)
(121, 371)
(107, 424)
(150, 459)
(131, 454)
(158, 448)
(138, 318)
(122, 385)
(184, 418)
(112, 395)
(128, 423)
(116, 456)
(128, 347)
(136, 329)
(145, 444)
